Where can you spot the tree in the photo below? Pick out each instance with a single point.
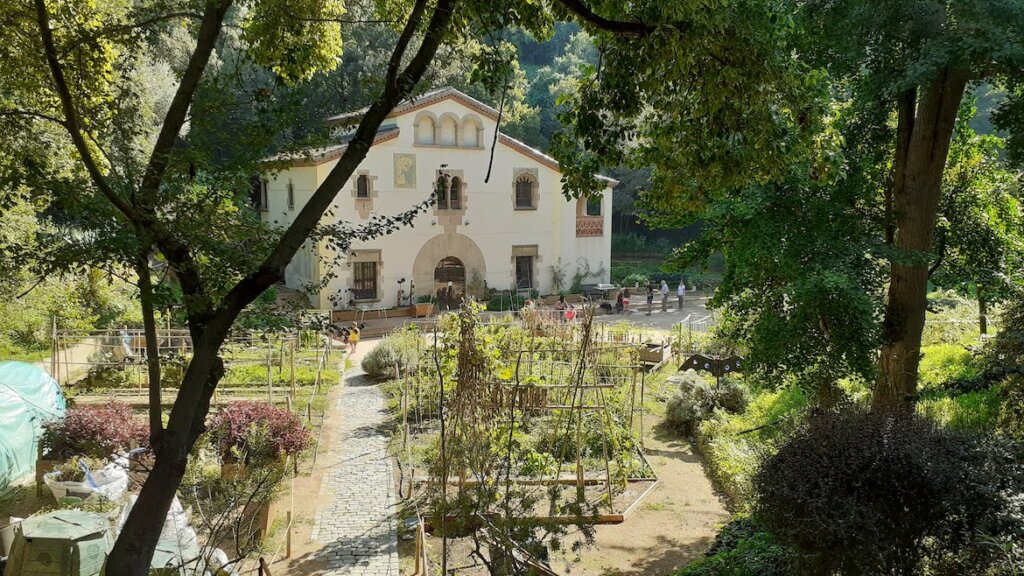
(911, 60)
(979, 237)
(916, 58)
(133, 189)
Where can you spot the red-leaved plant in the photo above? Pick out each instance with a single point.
(98, 431)
(257, 432)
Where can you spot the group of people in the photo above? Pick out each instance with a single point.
(448, 297)
(622, 300)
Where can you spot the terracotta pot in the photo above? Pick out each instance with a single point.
(422, 309)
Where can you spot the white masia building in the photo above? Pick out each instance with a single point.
(509, 233)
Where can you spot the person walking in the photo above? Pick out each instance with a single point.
(680, 293)
(353, 338)
(625, 300)
(664, 296)
(650, 298)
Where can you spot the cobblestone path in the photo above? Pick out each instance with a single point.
(358, 528)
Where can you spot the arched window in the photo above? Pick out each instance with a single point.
(455, 194)
(425, 130)
(593, 206)
(448, 131)
(524, 192)
(442, 193)
(363, 186)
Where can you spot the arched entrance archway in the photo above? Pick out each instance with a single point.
(450, 271)
(451, 248)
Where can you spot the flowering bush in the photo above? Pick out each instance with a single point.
(257, 432)
(96, 431)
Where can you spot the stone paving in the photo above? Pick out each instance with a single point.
(357, 529)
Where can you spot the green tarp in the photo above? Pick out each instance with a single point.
(28, 398)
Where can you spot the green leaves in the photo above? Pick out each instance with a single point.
(294, 38)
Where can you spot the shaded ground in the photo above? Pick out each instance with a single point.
(672, 527)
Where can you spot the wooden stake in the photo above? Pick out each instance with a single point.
(53, 351)
(288, 536)
(292, 350)
(270, 376)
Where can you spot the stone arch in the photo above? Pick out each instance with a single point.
(448, 130)
(426, 125)
(472, 131)
(446, 246)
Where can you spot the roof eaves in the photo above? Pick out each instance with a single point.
(417, 102)
(316, 156)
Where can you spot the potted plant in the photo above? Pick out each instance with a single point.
(423, 307)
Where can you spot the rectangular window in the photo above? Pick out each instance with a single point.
(363, 186)
(524, 272)
(264, 195)
(364, 280)
(524, 193)
(291, 196)
(593, 206)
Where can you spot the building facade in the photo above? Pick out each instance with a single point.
(513, 230)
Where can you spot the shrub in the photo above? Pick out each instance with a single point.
(504, 301)
(733, 452)
(397, 349)
(636, 280)
(861, 493)
(257, 432)
(743, 548)
(698, 398)
(95, 431)
(945, 363)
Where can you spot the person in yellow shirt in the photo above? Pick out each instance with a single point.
(353, 338)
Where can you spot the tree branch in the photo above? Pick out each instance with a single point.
(31, 114)
(583, 12)
(209, 31)
(129, 28)
(71, 116)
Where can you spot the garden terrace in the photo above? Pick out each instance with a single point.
(512, 429)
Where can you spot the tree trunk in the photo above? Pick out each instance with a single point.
(924, 133)
(982, 312)
(152, 347)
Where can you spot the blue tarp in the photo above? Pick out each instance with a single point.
(28, 398)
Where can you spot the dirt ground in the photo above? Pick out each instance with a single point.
(672, 526)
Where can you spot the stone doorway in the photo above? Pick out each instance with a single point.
(449, 270)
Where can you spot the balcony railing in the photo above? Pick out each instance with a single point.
(587, 226)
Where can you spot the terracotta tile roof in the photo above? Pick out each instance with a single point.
(314, 156)
(542, 157)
